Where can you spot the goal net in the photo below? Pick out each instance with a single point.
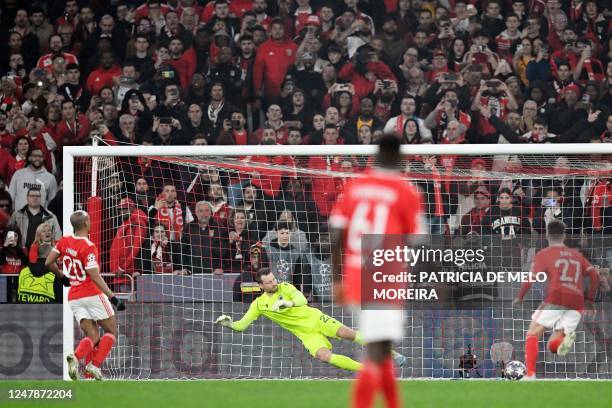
(181, 231)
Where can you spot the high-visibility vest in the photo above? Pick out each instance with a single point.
(35, 290)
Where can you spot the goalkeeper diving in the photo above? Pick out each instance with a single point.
(286, 306)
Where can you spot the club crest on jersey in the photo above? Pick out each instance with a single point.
(289, 53)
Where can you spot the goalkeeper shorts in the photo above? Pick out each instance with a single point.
(325, 327)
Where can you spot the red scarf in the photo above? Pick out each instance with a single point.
(162, 261)
(599, 198)
(437, 185)
(172, 219)
(399, 125)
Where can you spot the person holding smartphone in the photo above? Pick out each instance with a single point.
(234, 132)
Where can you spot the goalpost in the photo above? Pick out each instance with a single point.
(167, 330)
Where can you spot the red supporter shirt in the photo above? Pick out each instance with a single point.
(380, 203)
(46, 61)
(273, 60)
(100, 78)
(77, 254)
(565, 269)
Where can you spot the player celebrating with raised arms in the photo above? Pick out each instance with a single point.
(382, 202)
(286, 306)
(564, 303)
(88, 296)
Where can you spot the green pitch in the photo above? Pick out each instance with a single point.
(313, 394)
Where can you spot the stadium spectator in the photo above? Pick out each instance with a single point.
(6, 207)
(13, 258)
(287, 262)
(33, 214)
(158, 255)
(195, 124)
(34, 176)
(297, 237)
(204, 241)
(508, 223)
(216, 110)
(44, 236)
(395, 125)
(168, 211)
(234, 132)
(259, 217)
(246, 288)
(125, 250)
(104, 75)
(40, 139)
(218, 199)
(74, 127)
(273, 60)
(238, 241)
(553, 208)
(471, 221)
(41, 27)
(182, 59)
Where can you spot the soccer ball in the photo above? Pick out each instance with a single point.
(515, 370)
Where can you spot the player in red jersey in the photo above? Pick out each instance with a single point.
(88, 296)
(382, 202)
(564, 302)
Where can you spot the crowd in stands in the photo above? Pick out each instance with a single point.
(294, 72)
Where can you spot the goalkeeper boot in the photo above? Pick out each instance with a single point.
(73, 367)
(567, 343)
(94, 371)
(399, 359)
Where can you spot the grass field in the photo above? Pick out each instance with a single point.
(313, 394)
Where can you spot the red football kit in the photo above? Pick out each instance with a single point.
(77, 254)
(382, 202)
(565, 269)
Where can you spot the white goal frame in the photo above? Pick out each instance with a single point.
(70, 152)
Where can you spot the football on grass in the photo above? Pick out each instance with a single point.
(515, 370)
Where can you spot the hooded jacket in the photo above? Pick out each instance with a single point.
(127, 244)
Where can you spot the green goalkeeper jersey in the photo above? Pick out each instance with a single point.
(300, 319)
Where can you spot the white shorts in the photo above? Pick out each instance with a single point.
(381, 325)
(95, 307)
(557, 318)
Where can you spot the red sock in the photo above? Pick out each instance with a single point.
(88, 359)
(389, 384)
(531, 354)
(84, 347)
(104, 347)
(366, 386)
(554, 344)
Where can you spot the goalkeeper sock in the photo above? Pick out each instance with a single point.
(344, 362)
(366, 386)
(84, 347)
(554, 344)
(531, 354)
(359, 339)
(104, 347)
(388, 384)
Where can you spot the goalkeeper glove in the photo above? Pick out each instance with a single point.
(224, 320)
(281, 304)
(65, 281)
(118, 303)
